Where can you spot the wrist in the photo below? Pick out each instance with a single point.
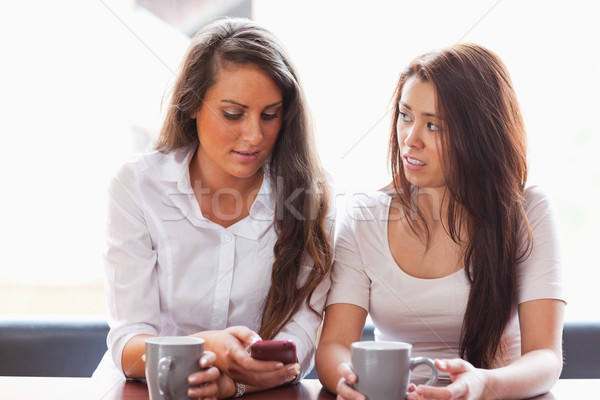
(209, 340)
(489, 385)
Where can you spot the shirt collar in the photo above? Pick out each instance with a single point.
(174, 167)
(261, 215)
(266, 197)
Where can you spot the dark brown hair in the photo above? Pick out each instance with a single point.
(293, 167)
(484, 156)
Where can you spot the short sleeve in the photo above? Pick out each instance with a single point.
(349, 282)
(540, 275)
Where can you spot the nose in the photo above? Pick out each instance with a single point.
(413, 137)
(251, 131)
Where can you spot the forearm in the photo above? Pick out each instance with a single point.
(533, 374)
(343, 325)
(329, 356)
(132, 359)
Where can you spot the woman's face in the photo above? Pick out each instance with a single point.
(238, 122)
(418, 133)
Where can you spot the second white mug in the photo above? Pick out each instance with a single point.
(384, 369)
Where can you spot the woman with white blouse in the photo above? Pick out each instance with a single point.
(224, 232)
(457, 256)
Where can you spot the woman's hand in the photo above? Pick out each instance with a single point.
(205, 384)
(232, 359)
(468, 383)
(344, 388)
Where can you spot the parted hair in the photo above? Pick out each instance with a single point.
(483, 143)
(293, 166)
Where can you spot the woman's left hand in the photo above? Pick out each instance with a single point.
(205, 384)
(468, 383)
(233, 359)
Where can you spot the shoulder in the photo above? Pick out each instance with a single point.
(154, 165)
(139, 163)
(332, 200)
(537, 202)
(363, 215)
(371, 206)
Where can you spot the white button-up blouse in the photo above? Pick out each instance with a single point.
(170, 271)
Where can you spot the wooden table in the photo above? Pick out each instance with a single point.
(18, 388)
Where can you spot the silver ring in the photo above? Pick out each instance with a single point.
(240, 389)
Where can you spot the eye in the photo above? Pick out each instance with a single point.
(432, 127)
(232, 116)
(268, 116)
(404, 117)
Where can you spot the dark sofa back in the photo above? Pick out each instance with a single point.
(48, 347)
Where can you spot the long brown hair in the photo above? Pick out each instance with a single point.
(294, 167)
(484, 155)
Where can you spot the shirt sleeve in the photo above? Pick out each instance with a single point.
(540, 275)
(303, 328)
(132, 293)
(349, 281)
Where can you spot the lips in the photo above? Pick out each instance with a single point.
(246, 156)
(414, 161)
(413, 164)
(247, 153)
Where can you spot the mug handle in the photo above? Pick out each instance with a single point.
(424, 360)
(165, 365)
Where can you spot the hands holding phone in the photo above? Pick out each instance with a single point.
(275, 362)
(274, 350)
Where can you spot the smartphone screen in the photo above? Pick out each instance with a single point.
(274, 350)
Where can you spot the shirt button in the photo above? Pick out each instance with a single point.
(228, 238)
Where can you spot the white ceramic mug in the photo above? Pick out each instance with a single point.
(169, 362)
(383, 369)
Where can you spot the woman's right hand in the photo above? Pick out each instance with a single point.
(234, 360)
(344, 388)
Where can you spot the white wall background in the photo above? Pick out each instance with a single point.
(76, 76)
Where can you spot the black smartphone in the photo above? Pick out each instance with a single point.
(274, 350)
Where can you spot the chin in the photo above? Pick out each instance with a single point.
(245, 174)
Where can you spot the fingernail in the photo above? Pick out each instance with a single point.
(279, 365)
(192, 379)
(294, 369)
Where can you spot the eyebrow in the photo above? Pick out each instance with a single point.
(426, 114)
(246, 107)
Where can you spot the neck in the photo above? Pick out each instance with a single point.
(433, 203)
(223, 198)
(210, 180)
